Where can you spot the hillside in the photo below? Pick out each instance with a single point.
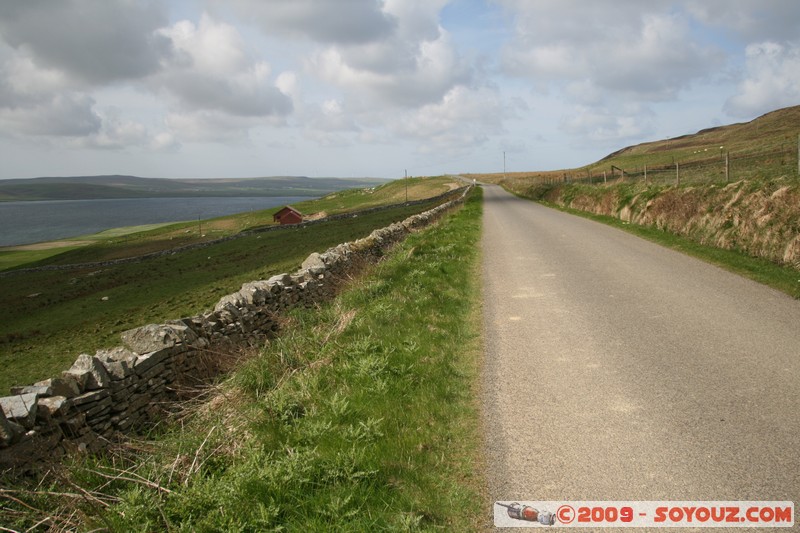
(776, 131)
(118, 186)
(765, 147)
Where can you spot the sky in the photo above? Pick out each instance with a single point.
(378, 88)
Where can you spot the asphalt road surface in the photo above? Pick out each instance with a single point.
(616, 369)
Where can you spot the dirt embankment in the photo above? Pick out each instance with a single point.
(760, 219)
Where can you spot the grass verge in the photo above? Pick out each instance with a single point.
(362, 416)
(784, 279)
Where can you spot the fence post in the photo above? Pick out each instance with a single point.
(645, 174)
(605, 180)
(727, 167)
(677, 174)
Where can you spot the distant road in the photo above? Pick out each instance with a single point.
(619, 370)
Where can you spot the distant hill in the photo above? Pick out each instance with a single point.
(774, 131)
(117, 186)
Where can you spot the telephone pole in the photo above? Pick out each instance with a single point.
(504, 165)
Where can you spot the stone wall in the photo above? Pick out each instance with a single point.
(120, 390)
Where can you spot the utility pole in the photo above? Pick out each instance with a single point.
(504, 166)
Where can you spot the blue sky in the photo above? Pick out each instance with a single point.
(237, 88)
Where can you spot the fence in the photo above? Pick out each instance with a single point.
(721, 167)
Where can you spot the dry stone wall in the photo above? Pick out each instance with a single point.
(119, 390)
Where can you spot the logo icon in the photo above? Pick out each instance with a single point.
(517, 511)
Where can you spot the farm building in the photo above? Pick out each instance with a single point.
(288, 215)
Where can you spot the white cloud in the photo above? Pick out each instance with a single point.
(218, 87)
(28, 79)
(212, 70)
(610, 61)
(646, 53)
(164, 142)
(608, 126)
(414, 64)
(209, 125)
(116, 133)
(431, 69)
(748, 21)
(94, 41)
(63, 115)
(342, 21)
(463, 120)
(771, 80)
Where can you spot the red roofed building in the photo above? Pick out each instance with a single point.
(288, 215)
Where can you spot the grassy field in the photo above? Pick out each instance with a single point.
(139, 240)
(48, 318)
(362, 416)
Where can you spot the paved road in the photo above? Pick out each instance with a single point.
(619, 370)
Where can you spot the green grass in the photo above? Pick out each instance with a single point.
(361, 416)
(778, 277)
(48, 318)
(392, 192)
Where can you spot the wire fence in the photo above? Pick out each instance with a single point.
(724, 167)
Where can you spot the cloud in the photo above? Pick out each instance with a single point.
(164, 142)
(208, 125)
(766, 20)
(218, 88)
(116, 133)
(212, 70)
(771, 80)
(636, 50)
(464, 119)
(416, 64)
(609, 61)
(94, 41)
(62, 115)
(340, 22)
(607, 126)
(209, 75)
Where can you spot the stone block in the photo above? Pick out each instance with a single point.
(149, 360)
(315, 262)
(98, 409)
(118, 362)
(61, 387)
(90, 371)
(230, 302)
(41, 390)
(153, 371)
(90, 397)
(279, 279)
(9, 431)
(153, 337)
(20, 409)
(52, 407)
